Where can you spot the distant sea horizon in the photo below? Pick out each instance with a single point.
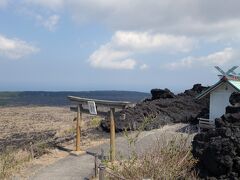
(59, 98)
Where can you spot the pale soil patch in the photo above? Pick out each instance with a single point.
(33, 119)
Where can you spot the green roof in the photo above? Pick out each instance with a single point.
(234, 83)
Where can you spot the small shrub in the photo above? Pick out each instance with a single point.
(40, 149)
(166, 160)
(69, 131)
(11, 161)
(95, 122)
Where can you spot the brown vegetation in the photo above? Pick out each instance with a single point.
(165, 160)
(33, 119)
(30, 132)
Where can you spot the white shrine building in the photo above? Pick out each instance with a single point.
(220, 92)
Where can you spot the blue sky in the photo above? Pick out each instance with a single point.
(116, 45)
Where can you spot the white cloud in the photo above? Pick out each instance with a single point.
(15, 48)
(107, 58)
(50, 22)
(152, 26)
(145, 41)
(221, 58)
(167, 16)
(144, 67)
(182, 17)
(117, 53)
(3, 3)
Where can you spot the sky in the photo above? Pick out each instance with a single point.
(79, 45)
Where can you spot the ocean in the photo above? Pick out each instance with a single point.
(49, 98)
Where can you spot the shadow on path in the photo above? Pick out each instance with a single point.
(81, 167)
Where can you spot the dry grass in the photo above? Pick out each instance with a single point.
(166, 160)
(28, 119)
(34, 119)
(16, 121)
(12, 161)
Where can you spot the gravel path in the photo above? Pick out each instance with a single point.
(81, 167)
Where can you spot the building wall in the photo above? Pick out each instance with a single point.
(219, 100)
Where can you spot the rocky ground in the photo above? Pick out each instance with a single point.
(163, 108)
(218, 150)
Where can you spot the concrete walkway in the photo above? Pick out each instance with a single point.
(70, 167)
(82, 167)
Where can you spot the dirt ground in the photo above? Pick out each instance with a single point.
(28, 119)
(32, 119)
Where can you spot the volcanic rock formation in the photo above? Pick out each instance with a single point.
(160, 93)
(218, 150)
(163, 108)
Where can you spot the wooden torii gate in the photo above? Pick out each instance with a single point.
(112, 105)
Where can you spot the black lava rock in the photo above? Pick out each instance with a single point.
(161, 93)
(232, 109)
(218, 150)
(152, 114)
(234, 98)
(204, 113)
